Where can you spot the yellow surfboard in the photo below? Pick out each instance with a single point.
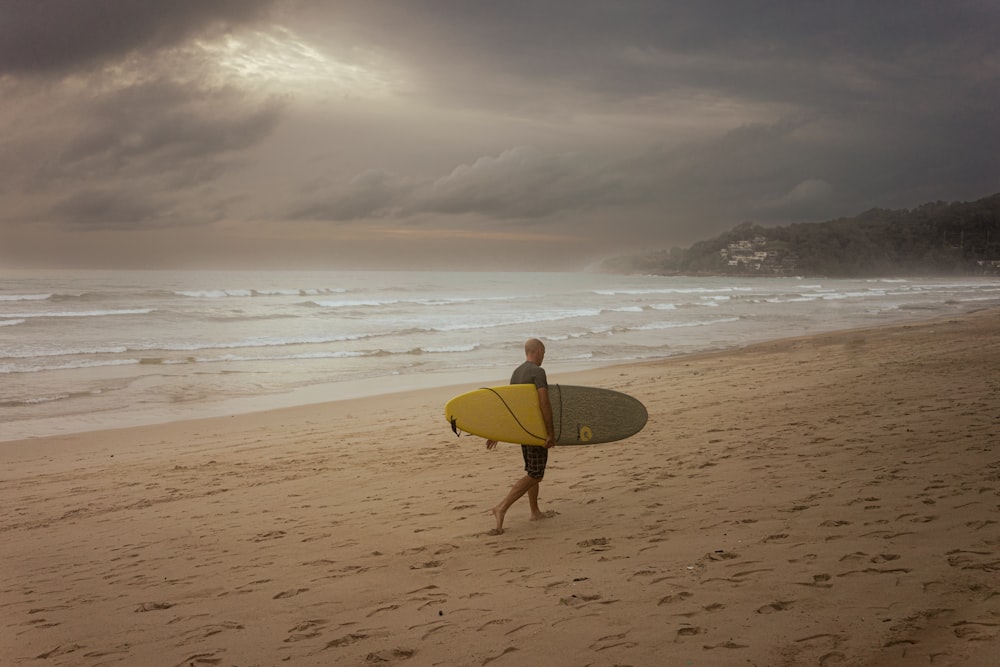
(580, 415)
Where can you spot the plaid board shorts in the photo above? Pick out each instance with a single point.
(535, 459)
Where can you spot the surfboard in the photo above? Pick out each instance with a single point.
(580, 415)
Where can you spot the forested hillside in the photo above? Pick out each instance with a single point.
(936, 238)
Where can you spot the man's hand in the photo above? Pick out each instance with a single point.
(490, 444)
(545, 404)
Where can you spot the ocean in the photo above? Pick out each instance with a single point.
(84, 350)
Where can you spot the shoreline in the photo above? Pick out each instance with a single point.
(822, 499)
(335, 392)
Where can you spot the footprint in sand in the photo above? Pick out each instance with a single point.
(833, 658)
(214, 629)
(972, 560)
(689, 631)
(426, 565)
(201, 659)
(391, 607)
(272, 535)
(729, 644)
(819, 581)
(612, 641)
(780, 605)
(496, 621)
(390, 655)
(509, 649)
(289, 593)
(674, 598)
(59, 650)
(305, 630)
(884, 558)
(596, 544)
(976, 631)
(575, 600)
(346, 640)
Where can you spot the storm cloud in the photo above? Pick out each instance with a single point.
(337, 129)
(60, 36)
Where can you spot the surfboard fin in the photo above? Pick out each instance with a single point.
(454, 427)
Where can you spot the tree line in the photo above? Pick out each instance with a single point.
(958, 238)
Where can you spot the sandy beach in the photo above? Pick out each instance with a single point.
(829, 500)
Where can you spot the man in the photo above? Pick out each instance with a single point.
(535, 458)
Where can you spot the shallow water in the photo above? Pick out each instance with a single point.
(85, 350)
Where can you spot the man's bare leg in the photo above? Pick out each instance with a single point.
(533, 501)
(526, 484)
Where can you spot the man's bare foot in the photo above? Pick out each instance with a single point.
(537, 516)
(498, 514)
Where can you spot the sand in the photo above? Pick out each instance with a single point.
(829, 500)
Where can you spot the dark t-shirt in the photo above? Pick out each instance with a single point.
(530, 373)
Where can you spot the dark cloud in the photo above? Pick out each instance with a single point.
(132, 150)
(163, 128)
(520, 183)
(752, 169)
(126, 123)
(109, 209)
(372, 194)
(641, 123)
(774, 50)
(848, 105)
(45, 36)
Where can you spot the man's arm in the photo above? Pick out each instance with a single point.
(546, 405)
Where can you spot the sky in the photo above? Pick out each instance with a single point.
(447, 134)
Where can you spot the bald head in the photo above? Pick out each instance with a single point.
(534, 350)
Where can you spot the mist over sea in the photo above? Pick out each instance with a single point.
(86, 350)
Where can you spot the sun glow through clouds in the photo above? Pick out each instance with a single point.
(282, 59)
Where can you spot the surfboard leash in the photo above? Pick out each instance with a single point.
(559, 428)
(512, 413)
